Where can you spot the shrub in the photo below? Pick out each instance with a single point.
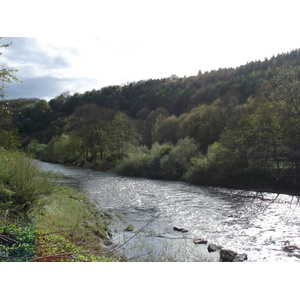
(22, 183)
(175, 164)
(211, 168)
(16, 243)
(37, 149)
(135, 162)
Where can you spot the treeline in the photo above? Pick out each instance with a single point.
(237, 127)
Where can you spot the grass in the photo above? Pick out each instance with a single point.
(40, 220)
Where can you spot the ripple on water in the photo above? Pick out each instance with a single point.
(244, 221)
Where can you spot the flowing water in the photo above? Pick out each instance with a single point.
(263, 225)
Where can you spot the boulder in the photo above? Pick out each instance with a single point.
(227, 255)
(199, 241)
(240, 257)
(290, 248)
(213, 247)
(180, 229)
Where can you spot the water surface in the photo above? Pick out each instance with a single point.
(263, 225)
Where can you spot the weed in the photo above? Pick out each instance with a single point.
(16, 243)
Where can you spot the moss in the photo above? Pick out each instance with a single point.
(129, 228)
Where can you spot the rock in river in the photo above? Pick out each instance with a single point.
(227, 255)
(180, 229)
(240, 257)
(213, 247)
(199, 241)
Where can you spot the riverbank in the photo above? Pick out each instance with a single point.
(70, 228)
(41, 220)
(249, 182)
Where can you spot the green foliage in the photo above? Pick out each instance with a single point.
(175, 164)
(37, 149)
(6, 74)
(161, 161)
(21, 183)
(244, 121)
(53, 247)
(9, 138)
(62, 149)
(38, 217)
(166, 129)
(129, 228)
(71, 214)
(135, 163)
(211, 168)
(16, 243)
(67, 222)
(204, 123)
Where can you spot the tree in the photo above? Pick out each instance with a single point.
(9, 138)
(285, 93)
(6, 74)
(91, 123)
(122, 134)
(204, 124)
(8, 132)
(177, 162)
(165, 129)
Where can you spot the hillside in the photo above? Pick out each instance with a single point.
(236, 127)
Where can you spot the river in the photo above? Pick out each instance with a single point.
(263, 225)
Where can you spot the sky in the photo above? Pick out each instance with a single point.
(61, 46)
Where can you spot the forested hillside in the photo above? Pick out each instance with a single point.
(236, 127)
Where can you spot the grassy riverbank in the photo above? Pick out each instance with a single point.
(40, 220)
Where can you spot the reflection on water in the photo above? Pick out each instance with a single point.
(262, 225)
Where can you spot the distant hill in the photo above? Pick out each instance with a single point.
(247, 112)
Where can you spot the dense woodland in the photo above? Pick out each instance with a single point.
(233, 127)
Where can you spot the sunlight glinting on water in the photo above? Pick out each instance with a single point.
(263, 225)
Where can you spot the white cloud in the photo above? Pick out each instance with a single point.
(138, 40)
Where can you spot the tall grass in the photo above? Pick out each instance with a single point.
(55, 219)
(70, 223)
(21, 182)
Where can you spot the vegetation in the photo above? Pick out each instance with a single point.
(42, 220)
(39, 219)
(6, 74)
(228, 127)
(231, 127)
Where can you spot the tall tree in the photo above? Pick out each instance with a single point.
(285, 92)
(8, 132)
(6, 74)
(9, 138)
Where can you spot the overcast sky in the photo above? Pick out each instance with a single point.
(92, 44)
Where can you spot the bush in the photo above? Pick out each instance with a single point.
(16, 243)
(37, 149)
(211, 168)
(176, 163)
(140, 161)
(22, 183)
(135, 162)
